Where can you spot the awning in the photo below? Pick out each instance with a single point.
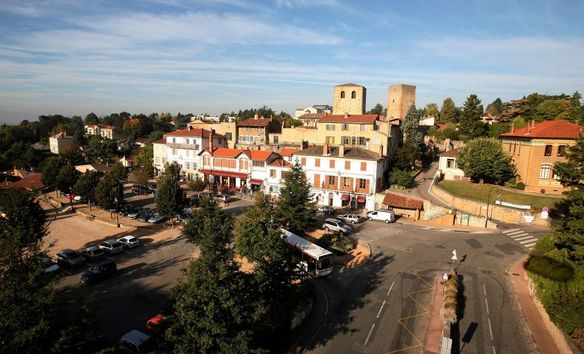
(345, 197)
(224, 173)
(360, 199)
(256, 181)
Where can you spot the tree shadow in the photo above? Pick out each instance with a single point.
(346, 292)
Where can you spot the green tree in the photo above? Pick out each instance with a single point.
(50, 171)
(213, 307)
(495, 108)
(296, 206)
(86, 185)
(378, 109)
(448, 113)
(497, 129)
(169, 194)
(109, 192)
(66, 178)
(575, 101)
(471, 125)
(519, 122)
(431, 110)
(554, 109)
(483, 160)
(91, 118)
(406, 156)
(411, 126)
(402, 178)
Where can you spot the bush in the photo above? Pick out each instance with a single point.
(520, 185)
(337, 242)
(197, 185)
(401, 178)
(549, 268)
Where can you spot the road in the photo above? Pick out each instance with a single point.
(383, 306)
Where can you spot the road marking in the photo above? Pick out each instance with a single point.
(487, 305)
(530, 244)
(369, 335)
(490, 329)
(527, 241)
(494, 352)
(484, 290)
(515, 232)
(522, 238)
(391, 287)
(519, 235)
(381, 308)
(511, 230)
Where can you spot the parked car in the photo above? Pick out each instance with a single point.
(103, 270)
(349, 218)
(50, 266)
(154, 325)
(129, 241)
(111, 246)
(155, 218)
(326, 210)
(139, 189)
(386, 216)
(207, 195)
(70, 258)
(125, 209)
(221, 198)
(145, 215)
(136, 342)
(93, 253)
(77, 198)
(331, 224)
(134, 213)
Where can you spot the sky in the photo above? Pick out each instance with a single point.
(204, 56)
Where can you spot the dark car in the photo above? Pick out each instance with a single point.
(327, 210)
(70, 258)
(134, 213)
(103, 270)
(125, 209)
(139, 189)
(145, 215)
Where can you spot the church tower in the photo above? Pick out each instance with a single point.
(349, 98)
(399, 100)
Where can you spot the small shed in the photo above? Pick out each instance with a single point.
(403, 206)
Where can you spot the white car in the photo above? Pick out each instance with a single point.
(332, 224)
(129, 241)
(349, 218)
(386, 216)
(111, 246)
(221, 198)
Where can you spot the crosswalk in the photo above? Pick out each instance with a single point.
(522, 237)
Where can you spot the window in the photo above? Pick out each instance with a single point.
(450, 163)
(561, 150)
(345, 126)
(362, 183)
(187, 141)
(377, 140)
(346, 182)
(272, 173)
(329, 140)
(331, 180)
(303, 161)
(342, 94)
(514, 148)
(227, 136)
(345, 140)
(353, 94)
(316, 162)
(330, 127)
(188, 165)
(257, 163)
(275, 140)
(363, 166)
(174, 140)
(546, 171)
(332, 164)
(548, 150)
(361, 140)
(173, 150)
(347, 165)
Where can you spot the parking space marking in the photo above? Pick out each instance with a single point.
(369, 335)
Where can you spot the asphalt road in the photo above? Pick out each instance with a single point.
(382, 307)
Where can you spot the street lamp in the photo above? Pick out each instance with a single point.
(489, 201)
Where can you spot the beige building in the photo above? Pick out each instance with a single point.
(399, 100)
(227, 129)
(536, 148)
(61, 143)
(254, 133)
(349, 99)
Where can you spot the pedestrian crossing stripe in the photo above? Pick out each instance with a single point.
(515, 233)
(522, 238)
(511, 230)
(528, 241)
(530, 244)
(523, 234)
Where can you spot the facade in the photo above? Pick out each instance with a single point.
(253, 133)
(343, 176)
(184, 147)
(61, 143)
(277, 172)
(226, 167)
(448, 168)
(349, 99)
(105, 131)
(399, 100)
(310, 120)
(227, 129)
(536, 148)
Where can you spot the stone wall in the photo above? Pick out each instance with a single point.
(496, 212)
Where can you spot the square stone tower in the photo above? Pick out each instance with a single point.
(399, 100)
(349, 98)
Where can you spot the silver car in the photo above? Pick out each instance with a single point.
(129, 241)
(111, 246)
(331, 224)
(349, 218)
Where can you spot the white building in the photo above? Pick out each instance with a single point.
(317, 108)
(105, 131)
(61, 143)
(343, 176)
(184, 148)
(448, 167)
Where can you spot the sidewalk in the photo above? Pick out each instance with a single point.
(446, 227)
(535, 322)
(435, 323)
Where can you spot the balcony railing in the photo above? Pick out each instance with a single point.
(184, 146)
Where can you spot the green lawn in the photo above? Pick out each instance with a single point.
(481, 191)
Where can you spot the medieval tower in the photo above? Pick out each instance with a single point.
(399, 100)
(349, 99)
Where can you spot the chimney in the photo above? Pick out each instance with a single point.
(325, 149)
(346, 115)
(211, 140)
(532, 123)
(341, 150)
(256, 116)
(512, 128)
(304, 144)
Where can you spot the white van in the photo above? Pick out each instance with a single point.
(386, 216)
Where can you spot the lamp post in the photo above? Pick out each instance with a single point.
(488, 202)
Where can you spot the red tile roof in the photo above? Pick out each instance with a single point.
(312, 116)
(230, 153)
(351, 119)
(451, 153)
(400, 201)
(280, 163)
(161, 141)
(553, 129)
(287, 152)
(261, 155)
(190, 132)
(32, 181)
(253, 122)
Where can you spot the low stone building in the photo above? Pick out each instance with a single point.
(404, 206)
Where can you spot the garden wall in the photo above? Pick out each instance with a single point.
(496, 212)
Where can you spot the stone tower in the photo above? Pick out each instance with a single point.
(399, 100)
(349, 98)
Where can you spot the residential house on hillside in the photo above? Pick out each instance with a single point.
(448, 168)
(21, 179)
(253, 133)
(342, 176)
(61, 143)
(536, 148)
(105, 131)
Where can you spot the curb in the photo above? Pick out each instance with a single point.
(102, 221)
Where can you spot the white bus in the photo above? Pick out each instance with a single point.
(312, 258)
